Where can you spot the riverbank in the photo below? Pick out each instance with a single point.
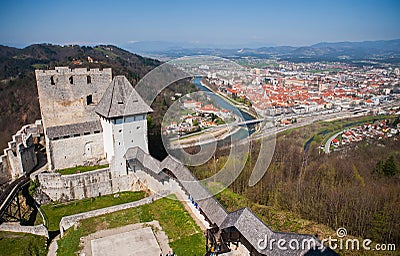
(192, 141)
(217, 133)
(235, 104)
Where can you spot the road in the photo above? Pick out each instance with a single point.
(303, 121)
(329, 141)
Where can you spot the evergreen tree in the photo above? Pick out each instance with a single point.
(390, 167)
(379, 167)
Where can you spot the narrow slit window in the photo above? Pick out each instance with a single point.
(89, 99)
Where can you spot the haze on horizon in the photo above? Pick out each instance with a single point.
(221, 23)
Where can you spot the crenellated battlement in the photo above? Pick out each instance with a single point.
(74, 71)
(19, 157)
(68, 96)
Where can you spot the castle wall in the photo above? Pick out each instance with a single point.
(64, 94)
(100, 182)
(5, 171)
(19, 157)
(76, 186)
(75, 151)
(39, 230)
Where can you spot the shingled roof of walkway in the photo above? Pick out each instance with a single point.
(244, 220)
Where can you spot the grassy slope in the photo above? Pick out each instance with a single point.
(81, 169)
(185, 237)
(54, 212)
(21, 244)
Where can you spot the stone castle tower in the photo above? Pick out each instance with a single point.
(90, 118)
(69, 96)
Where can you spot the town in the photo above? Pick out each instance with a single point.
(197, 117)
(184, 128)
(368, 132)
(282, 87)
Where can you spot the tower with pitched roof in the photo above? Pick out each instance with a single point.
(123, 118)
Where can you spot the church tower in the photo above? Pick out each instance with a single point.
(123, 118)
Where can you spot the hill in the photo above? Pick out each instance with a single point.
(18, 91)
(341, 189)
(383, 51)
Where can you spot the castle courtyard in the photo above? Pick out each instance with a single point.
(134, 239)
(136, 242)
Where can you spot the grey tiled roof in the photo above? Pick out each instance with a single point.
(214, 211)
(121, 99)
(146, 160)
(251, 228)
(73, 129)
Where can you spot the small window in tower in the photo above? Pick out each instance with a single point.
(89, 99)
(52, 80)
(71, 80)
(89, 79)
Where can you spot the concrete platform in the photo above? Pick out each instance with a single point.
(136, 242)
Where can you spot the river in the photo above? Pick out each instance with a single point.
(224, 104)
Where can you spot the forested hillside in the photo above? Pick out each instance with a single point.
(348, 189)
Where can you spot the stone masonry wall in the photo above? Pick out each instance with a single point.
(75, 151)
(39, 230)
(63, 94)
(19, 157)
(76, 186)
(99, 182)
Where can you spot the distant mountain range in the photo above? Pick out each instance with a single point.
(161, 46)
(374, 51)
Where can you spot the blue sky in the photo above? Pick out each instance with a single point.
(220, 22)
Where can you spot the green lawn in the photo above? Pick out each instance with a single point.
(21, 244)
(54, 212)
(80, 169)
(185, 237)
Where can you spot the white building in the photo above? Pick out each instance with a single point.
(123, 118)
